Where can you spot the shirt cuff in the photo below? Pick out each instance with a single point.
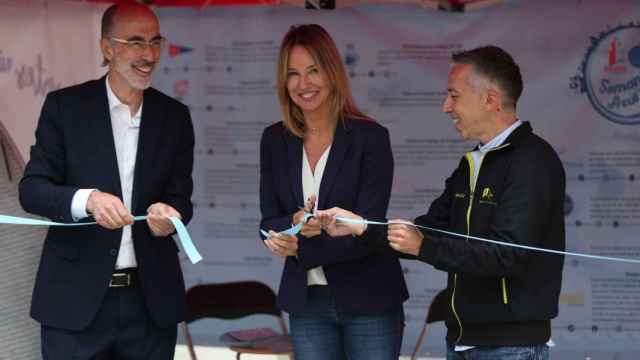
(79, 204)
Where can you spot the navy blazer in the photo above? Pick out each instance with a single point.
(363, 272)
(75, 149)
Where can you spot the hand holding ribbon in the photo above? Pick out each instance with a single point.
(404, 237)
(409, 244)
(282, 244)
(329, 221)
(311, 226)
(183, 234)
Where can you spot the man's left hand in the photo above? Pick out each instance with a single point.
(158, 216)
(404, 238)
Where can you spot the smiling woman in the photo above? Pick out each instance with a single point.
(327, 153)
(309, 64)
(307, 85)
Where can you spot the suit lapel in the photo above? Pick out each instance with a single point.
(339, 149)
(151, 125)
(293, 148)
(104, 144)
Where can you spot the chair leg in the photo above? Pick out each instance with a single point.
(238, 356)
(283, 325)
(416, 350)
(187, 335)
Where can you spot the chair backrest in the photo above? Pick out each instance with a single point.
(439, 307)
(438, 310)
(231, 300)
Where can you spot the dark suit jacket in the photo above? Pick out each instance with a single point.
(363, 272)
(75, 149)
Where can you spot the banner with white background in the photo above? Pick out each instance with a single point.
(581, 65)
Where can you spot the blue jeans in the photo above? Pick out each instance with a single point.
(320, 333)
(533, 352)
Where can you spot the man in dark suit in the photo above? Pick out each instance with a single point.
(110, 148)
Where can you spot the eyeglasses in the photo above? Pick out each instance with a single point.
(141, 45)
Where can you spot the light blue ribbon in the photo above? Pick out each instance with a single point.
(292, 231)
(551, 251)
(185, 241)
(296, 229)
(183, 234)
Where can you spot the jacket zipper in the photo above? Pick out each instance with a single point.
(472, 189)
(505, 298)
(505, 294)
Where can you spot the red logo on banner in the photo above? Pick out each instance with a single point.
(614, 58)
(175, 50)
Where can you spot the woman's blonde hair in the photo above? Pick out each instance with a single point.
(325, 54)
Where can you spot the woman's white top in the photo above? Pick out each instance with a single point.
(311, 186)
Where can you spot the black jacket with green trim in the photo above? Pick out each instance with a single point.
(499, 295)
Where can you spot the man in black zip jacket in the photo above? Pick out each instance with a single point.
(510, 188)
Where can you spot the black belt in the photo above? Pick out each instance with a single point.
(123, 278)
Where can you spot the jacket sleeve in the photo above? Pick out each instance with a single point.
(42, 189)
(274, 216)
(439, 213)
(372, 201)
(179, 188)
(522, 217)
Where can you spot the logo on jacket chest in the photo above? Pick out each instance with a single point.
(486, 196)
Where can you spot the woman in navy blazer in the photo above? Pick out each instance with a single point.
(344, 294)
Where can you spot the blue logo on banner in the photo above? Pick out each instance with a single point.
(610, 74)
(351, 59)
(351, 56)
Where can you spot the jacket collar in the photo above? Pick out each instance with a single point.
(519, 134)
(151, 127)
(342, 140)
(104, 145)
(514, 139)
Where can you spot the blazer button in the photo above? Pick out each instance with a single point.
(113, 252)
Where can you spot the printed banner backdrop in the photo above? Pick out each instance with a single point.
(581, 64)
(43, 46)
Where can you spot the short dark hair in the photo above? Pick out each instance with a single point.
(107, 26)
(497, 66)
(107, 20)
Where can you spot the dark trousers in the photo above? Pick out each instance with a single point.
(122, 330)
